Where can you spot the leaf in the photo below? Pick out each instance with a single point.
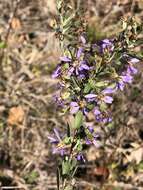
(92, 83)
(103, 106)
(2, 45)
(68, 187)
(78, 120)
(67, 140)
(66, 167)
(16, 24)
(87, 88)
(101, 84)
(78, 146)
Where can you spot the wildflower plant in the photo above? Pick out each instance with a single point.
(89, 76)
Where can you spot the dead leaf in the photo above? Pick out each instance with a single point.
(131, 121)
(136, 155)
(16, 24)
(16, 115)
(102, 172)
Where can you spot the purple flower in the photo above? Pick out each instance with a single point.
(83, 40)
(109, 90)
(90, 128)
(97, 111)
(80, 157)
(79, 52)
(120, 85)
(131, 70)
(96, 144)
(53, 140)
(58, 100)
(83, 66)
(104, 118)
(70, 71)
(56, 140)
(57, 72)
(65, 59)
(90, 97)
(106, 44)
(127, 78)
(74, 107)
(60, 151)
(108, 99)
(134, 60)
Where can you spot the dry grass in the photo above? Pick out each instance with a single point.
(25, 81)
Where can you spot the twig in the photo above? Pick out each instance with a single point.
(7, 36)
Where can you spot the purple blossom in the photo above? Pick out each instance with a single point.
(104, 118)
(127, 78)
(83, 66)
(90, 128)
(79, 52)
(55, 140)
(97, 111)
(90, 97)
(65, 59)
(109, 90)
(60, 151)
(120, 85)
(58, 100)
(106, 44)
(108, 99)
(96, 143)
(131, 70)
(70, 71)
(83, 40)
(57, 72)
(134, 60)
(74, 107)
(80, 157)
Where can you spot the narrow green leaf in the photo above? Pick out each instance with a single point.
(2, 45)
(101, 84)
(78, 120)
(66, 167)
(87, 88)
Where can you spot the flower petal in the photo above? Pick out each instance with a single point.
(109, 90)
(108, 99)
(127, 78)
(57, 72)
(134, 60)
(79, 52)
(88, 96)
(132, 70)
(57, 134)
(83, 40)
(74, 107)
(84, 67)
(65, 59)
(97, 111)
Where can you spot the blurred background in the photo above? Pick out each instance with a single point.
(28, 113)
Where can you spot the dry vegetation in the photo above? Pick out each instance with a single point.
(27, 113)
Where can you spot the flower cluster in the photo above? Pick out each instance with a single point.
(89, 76)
